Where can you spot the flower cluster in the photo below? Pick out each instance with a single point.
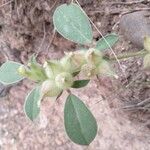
(58, 75)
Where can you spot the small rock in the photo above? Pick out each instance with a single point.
(135, 26)
(58, 141)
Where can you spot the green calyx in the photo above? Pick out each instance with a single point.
(93, 57)
(73, 61)
(33, 70)
(95, 65)
(58, 78)
(52, 68)
(50, 89)
(64, 80)
(35, 73)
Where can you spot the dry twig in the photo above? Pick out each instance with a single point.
(6, 3)
(129, 3)
(44, 36)
(51, 41)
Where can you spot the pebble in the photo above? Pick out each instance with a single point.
(135, 26)
(58, 141)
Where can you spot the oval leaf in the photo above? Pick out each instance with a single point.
(80, 83)
(80, 124)
(75, 73)
(32, 104)
(71, 22)
(9, 73)
(111, 40)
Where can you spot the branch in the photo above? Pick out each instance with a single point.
(128, 55)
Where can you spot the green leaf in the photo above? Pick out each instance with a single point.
(72, 23)
(9, 73)
(32, 104)
(80, 83)
(75, 73)
(80, 124)
(111, 40)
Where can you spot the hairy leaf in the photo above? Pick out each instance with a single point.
(32, 104)
(111, 40)
(9, 73)
(80, 83)
(73, 24)
(80, 124)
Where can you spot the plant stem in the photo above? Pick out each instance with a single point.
(128, 55)
(69, 92)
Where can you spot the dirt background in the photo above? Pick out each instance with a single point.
(25, 28)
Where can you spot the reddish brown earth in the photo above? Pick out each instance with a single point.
(26, 27)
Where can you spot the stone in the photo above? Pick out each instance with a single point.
(135, 26)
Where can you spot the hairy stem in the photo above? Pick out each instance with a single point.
(128, 55)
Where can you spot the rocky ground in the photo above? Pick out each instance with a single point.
(26, 28)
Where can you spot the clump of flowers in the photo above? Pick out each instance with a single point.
(58, 75)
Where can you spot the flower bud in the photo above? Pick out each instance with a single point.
(93, 56)
(88, 70)
(49, 89)
(33, 74)
(52, 68)
(64, 80)
(147, 43)
(146, 62)
(73, 61)
(22, 71)
(36, 69)
(25, 72)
